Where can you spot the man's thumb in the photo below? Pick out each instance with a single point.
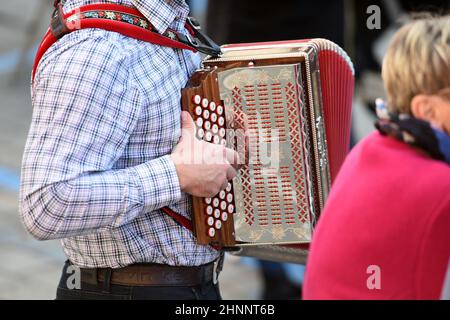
(187, 124)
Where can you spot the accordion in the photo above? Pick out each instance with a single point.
(293, 98)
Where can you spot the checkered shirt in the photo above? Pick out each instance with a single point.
(97, 167)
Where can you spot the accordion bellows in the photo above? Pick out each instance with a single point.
(290, 103)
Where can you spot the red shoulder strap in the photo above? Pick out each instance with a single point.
(125, 20)
(183, 221)
(178, 218)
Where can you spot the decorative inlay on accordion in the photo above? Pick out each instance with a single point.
(295, 99)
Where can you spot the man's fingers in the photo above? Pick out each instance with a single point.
(231, 173)
(224, 185)
(232, 157)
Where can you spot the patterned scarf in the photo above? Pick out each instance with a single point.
(412, 131)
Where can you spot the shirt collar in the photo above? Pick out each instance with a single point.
(162, 13)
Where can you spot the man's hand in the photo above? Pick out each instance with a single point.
(203, 168)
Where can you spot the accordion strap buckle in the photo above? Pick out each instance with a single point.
(200, 41)
(58, 25)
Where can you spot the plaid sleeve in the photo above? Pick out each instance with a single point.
(85, 108)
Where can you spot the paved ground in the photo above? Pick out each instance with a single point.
(30, 269)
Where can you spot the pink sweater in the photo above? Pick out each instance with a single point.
(385, 230)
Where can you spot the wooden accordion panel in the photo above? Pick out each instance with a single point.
(294, 99)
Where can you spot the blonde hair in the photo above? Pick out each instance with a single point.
(417, 61)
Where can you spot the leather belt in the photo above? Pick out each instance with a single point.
(154, 275)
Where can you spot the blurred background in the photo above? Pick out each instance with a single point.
(30, 269)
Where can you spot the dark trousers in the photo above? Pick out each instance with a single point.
(67, 290)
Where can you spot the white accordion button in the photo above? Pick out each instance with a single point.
(206, 114)
(199, 122)
(198, 111)
(215, 129)
(197, 99)
(229, 197)
(219, 110)
(208, 136)
(223, 205)
(218, 224)
(216, 140)
(224, 217)
(221, 121)
(222, 132)
(212, 232)
(212, 106)
(205, 103)
(222, 194)
(230, 209)
(216, 202)
(217, 213)
(210, 221)
(213, 117)
(207, 125)
(223, 142)
(209, 210)
(208, 200)
(228, 187)
(200, 133)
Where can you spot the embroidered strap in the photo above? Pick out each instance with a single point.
(127, 21)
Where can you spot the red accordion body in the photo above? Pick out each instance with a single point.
(295, 94)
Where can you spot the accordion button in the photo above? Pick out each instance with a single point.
(216, 202)
(199, 122)
(209, 210)
(224, 217)
(208, 200)
(197, 99)
(222, 194)
(217, 213)
(206, 114)
(216, 140)
(219, 110)
(211, 232)
(229, 197)
(228, 189)
(223, 142)
(210, 221)
(212, 106)
(208, 136)
(215, 129)
(207, 125)
(222, 132)
(200, 133)
(230, 209)
(221, 121)
(213, 117)
(218, 224)
(205, 103)
(198, 111)
(223, 205)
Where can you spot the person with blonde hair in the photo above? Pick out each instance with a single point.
(384, 232)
